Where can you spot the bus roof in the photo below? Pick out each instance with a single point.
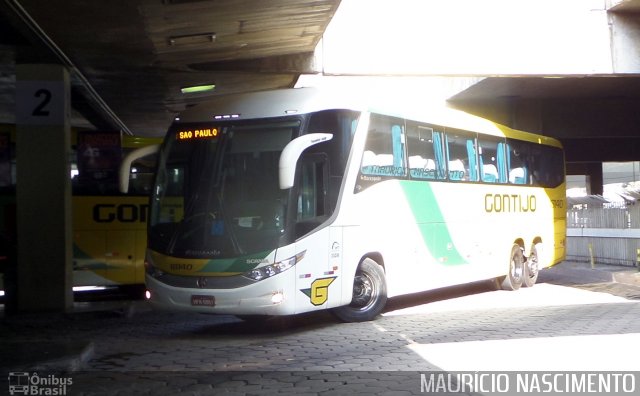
(282, 102)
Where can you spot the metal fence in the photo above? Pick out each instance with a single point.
(605, 235)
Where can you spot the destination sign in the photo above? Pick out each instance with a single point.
(192, 134)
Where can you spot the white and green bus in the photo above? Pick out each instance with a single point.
(289, 201)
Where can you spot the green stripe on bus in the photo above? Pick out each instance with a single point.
(431, 222)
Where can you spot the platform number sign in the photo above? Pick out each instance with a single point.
(40, 102)
(42, 107)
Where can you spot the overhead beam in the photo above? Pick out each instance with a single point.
(302, 63)
(563, 118)
(602, 149)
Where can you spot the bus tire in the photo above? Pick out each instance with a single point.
(514, 277)
(531, 266)
(369, 294)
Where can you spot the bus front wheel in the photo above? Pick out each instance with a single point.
(531, 266)
(369, 294)
(515, 275)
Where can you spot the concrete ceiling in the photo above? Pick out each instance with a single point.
(129, 59)
(137, 54)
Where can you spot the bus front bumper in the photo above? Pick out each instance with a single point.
(271, 296)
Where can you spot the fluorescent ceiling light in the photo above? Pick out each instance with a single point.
(197, 88)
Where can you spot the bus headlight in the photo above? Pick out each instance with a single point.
(274, 269)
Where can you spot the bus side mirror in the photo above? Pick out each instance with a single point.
(125, 165)
(291, 153)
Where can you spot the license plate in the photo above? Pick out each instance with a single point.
(203, 301)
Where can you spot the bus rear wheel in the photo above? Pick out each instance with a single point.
(514, 277)
(531, 267)
(369, 294)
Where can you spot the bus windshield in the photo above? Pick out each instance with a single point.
(216, 193)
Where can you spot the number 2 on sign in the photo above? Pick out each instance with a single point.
(40, 110)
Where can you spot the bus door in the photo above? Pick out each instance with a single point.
(316, 273)
(120, 256)
(126, 239)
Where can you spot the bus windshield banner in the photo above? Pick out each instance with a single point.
(196, 134)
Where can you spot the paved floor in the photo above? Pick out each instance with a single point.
(576, 318)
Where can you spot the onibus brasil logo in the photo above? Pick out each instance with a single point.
(23, 383)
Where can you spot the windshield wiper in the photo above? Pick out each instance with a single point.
(227, 225)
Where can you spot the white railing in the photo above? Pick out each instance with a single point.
(604, 235)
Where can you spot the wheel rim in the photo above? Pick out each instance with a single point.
(364, 292)
(532, 264)
(516, 266)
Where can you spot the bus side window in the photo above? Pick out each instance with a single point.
(461, 156)
(384, 153)
(546, 164)
(422, 152)
(517, 153)
(490, 160)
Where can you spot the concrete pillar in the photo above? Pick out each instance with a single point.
(594, 178)
(625, 34)
(43, 190)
